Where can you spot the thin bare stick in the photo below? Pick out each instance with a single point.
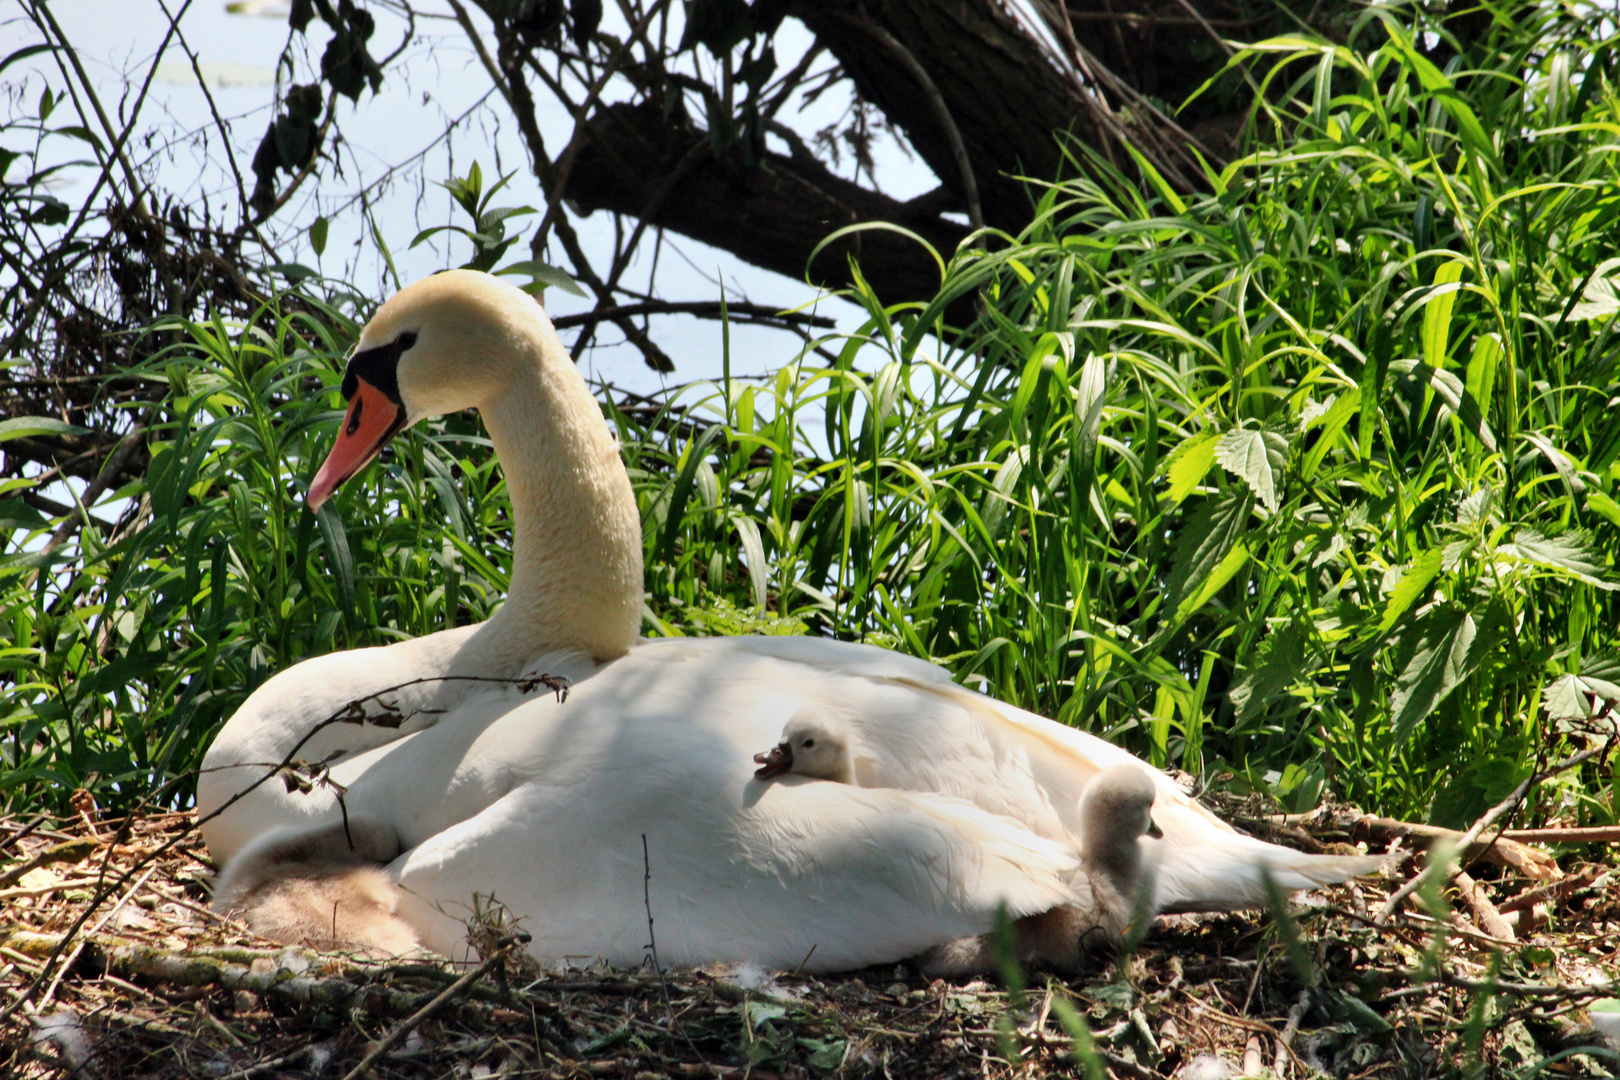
(1486, 820)
(412, 1022)
(703, 309)
(219, 122)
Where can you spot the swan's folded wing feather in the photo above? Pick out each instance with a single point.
(944, 855)
(861, 876)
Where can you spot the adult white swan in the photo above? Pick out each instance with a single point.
(960, 803)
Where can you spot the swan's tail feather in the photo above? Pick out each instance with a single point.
(324, 887)
(1231, 874)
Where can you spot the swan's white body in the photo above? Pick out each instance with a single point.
(963, 803)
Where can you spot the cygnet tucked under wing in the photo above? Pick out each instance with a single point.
(324, 887)
(1114, 886)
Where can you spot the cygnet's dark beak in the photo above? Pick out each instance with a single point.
(1154, 831)
(778, 759)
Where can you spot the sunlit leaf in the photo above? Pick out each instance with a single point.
(1571, 554)
(1258, 458)
(1413, 583)
(1601, 297)
(1189, 463)
(1205, 542)
(1582, 696)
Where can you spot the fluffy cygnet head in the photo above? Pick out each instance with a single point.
(810, 746)
(1116, 810)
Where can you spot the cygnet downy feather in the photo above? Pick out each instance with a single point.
(324, 888)
(1115, 883)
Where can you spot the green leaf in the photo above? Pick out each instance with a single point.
(382, 247)
(1258, 458)
(546, 274)
(1154, 177)
(1601, 297)
(1473, 790)
(1205, 542)
(1279, 664)
(1599, 503)
(681, 492)
(80, 132)
(1450, 390)
(1482, 367)
(754, 551)
(1435, 82)
(826, 1055)
(317, 235)
(24, 53)
(1581, 697)
(491, 218)
(1413, 583)
(1440, 662)
(1437, 312)
(22, 427)
(1189, 463)
(338, 556)
(1571, 554)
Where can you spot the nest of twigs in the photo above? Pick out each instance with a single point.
(112, 965)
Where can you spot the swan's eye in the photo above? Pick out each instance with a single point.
(808, 743)
(406, 340)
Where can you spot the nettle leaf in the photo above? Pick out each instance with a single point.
(1258, 458)
(1206, 554)
(1442, 659)
(1189, 463)
(1280, 664)
(1581, 697)
(1414, 580)
(1571, 554)
(1473, 790)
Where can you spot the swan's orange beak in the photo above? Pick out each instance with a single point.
(373, 418)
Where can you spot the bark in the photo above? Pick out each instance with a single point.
(1011, 105)
(1007, 100)
(771, 213)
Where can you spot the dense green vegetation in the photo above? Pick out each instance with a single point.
(1311, 479)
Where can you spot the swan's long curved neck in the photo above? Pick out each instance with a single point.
(576, 559)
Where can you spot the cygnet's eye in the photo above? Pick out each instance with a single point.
(808, 743)
(406, 340)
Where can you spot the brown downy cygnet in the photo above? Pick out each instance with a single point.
(810, 747)
(1115, 883)
(323, 887)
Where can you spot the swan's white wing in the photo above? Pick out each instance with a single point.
(761, 874)
(278, 715)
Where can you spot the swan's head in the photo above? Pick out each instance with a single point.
(810, 746)
(447, 343)
(1116, 810)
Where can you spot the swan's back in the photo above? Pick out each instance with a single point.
(912, 727)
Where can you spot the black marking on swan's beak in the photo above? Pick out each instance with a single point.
(1154, 831)
(778, 759)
